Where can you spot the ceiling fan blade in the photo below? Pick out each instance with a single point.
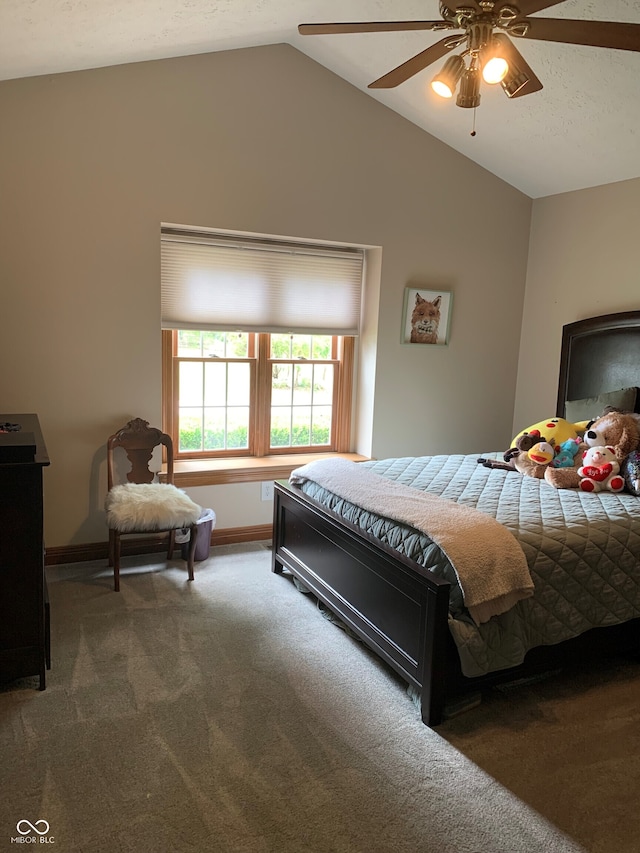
(527, 82)
(528, 7)
(412, 66)
(451, 6)
(609, 34)
(370, 27)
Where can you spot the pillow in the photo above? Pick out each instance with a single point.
(593, 407)
(630, 470)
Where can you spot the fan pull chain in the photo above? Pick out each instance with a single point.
(473, 132)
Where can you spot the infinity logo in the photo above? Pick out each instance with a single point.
(32, 827)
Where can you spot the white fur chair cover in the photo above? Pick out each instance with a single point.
(142, 507)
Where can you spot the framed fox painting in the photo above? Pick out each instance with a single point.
(426, 316)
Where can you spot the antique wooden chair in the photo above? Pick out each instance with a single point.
(142, 505)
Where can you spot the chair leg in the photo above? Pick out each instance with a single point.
(111, 538)
(116, 561)
(171, 547)
(192, 549)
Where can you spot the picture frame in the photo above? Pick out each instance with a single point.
(426, 316)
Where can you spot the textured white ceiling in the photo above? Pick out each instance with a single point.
(581, 130)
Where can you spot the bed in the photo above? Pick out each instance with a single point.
(395, 587)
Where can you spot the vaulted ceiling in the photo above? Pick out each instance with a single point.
(582, 129)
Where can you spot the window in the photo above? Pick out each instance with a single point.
(302, 369)
(214, 375)
(281, 380)
(247, 394)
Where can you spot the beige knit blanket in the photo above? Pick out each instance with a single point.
(488, 561)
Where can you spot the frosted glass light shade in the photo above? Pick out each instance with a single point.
(495, 70)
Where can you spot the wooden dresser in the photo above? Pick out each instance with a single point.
(24, 622)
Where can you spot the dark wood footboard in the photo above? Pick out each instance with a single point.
(400, 610)
(394, 605)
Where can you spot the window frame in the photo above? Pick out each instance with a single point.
(343, 350)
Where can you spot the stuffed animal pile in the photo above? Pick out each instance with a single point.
(554, 441)
(562, 453)
(618, 430)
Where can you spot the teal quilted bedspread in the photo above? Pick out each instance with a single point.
(582, 549)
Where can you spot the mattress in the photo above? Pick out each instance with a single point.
(581, 549)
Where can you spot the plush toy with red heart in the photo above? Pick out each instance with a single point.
(600, 470)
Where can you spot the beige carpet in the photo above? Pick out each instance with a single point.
(228, 715)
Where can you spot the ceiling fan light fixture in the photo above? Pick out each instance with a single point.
(487, 28)
(495, 70)
(513, 81)
(445, 82)
(469, 94)
(495, 65)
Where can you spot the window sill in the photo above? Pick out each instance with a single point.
(216, 472)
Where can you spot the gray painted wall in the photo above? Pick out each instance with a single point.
(261, 140)
(584, 261)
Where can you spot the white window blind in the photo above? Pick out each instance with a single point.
(211, 281)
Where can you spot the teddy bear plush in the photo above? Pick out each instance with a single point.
(600, 470)
(620, 430)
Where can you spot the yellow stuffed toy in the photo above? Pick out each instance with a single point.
(555, 430)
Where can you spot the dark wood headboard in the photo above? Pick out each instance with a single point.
(598, 355)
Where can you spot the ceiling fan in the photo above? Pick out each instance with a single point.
(486, 27)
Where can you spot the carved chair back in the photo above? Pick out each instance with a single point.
(139, 440)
